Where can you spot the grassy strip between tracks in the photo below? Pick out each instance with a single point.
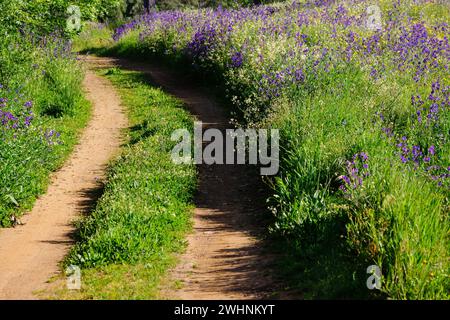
(128, 243)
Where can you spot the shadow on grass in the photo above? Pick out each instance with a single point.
(320, 264)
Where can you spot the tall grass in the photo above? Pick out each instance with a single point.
(395, 218)
(364, 119)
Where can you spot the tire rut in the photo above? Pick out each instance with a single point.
(225, 256)
(30, 253)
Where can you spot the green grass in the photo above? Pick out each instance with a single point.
(332, 237)
(398, 217)
(93, 37)
(127, 244)
(31, 174)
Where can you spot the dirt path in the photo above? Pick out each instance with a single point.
(225, 259)
(29, 254)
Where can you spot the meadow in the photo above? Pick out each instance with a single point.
(359, 92)
(363, 112)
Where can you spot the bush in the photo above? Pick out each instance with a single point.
(43, 17)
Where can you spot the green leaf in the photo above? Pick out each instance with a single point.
(12, 199)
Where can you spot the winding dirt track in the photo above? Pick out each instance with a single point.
(30, 253)
(225, 258)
